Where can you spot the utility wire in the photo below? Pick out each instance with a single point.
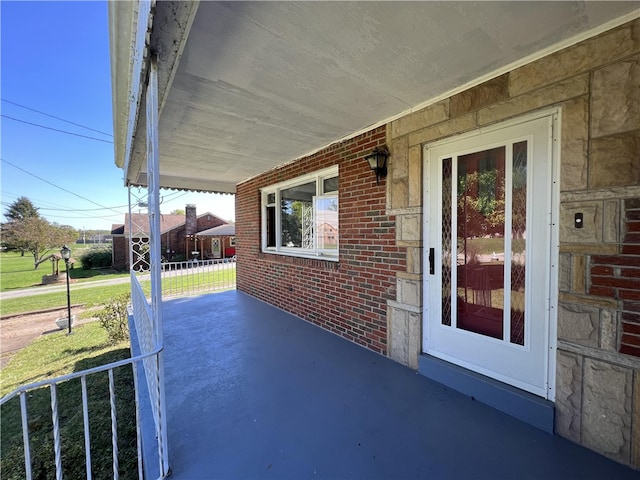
(84, 217)
(46, 203)
(56, 130)
(81, 209)
(58, 187)
(164, 197)
(111, 218)
(75, 209)
(57, 118)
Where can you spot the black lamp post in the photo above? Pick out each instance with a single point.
(66, 255)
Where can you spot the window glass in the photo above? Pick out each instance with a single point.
(271, 226)
(300, 216)
(330, 185)
(297, 216)
(327, 222)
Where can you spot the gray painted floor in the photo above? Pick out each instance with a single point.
(253, 392)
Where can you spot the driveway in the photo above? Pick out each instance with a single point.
(17, 331)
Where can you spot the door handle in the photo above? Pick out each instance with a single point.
(432, 266)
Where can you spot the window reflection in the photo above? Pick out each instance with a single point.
(297, 215)
(480, 242)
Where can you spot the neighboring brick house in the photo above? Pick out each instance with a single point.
(218, 242)
(178, 235)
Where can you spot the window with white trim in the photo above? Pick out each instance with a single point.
(300, 216)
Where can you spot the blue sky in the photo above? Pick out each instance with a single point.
(55, 59)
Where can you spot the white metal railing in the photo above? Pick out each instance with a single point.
(150, 352)
(198, 276)
(148, 340)
(25, 391)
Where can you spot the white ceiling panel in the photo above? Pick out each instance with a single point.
(259, 84)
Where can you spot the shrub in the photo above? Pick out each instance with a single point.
(114, 318)
(96, 258)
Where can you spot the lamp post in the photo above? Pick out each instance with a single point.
(66, 255)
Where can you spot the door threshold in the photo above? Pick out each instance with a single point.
(522, 405)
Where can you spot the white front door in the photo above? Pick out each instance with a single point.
(489, 209)
(215, 248)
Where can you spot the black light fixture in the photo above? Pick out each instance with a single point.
(65, 252)
(378, 162)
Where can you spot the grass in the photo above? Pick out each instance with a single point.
(17, 271)
(51, 356)
(485, 246)
(88, 296)
(218, 279)
(92, 297)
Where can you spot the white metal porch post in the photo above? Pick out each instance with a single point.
(153, 180)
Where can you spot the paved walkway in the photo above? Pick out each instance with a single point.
(42, 289)
(253, 392)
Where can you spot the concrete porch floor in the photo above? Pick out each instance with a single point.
(253, 392)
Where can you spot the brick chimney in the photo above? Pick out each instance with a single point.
(191, 222)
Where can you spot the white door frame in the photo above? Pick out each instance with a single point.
(554, 152)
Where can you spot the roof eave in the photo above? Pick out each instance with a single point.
(160, 28)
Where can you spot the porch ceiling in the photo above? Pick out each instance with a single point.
(247, 86)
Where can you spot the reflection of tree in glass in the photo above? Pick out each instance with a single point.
(292, 211)
(481, 202)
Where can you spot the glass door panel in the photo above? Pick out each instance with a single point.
(518, 242)
(480, 240)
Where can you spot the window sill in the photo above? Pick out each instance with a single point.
(311, 256)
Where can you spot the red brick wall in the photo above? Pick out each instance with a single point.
(618, 276)
(120, 253)
(174, 239)
(191, 221)
(348, 297)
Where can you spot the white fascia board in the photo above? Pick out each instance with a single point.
(129, 32)
(139, 53)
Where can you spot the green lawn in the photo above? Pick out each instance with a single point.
(199, 281)
(486, 246)
(54, 355)
(17, 271)
(101, 294)
(89, 296)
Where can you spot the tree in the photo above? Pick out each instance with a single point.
(481, 203)
(18, 211)
(36, 236)
(21, 209)
(178, 211)
(62, 235)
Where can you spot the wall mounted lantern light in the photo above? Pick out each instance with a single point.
(378, 162)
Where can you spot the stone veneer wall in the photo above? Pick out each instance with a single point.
(596, 83)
